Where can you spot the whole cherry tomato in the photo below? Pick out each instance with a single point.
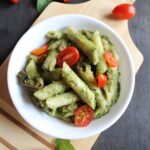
(124, 11)
(14, 1)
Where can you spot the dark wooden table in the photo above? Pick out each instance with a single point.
(132, 131)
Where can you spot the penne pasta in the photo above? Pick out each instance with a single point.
(51, 90)
(78, 86)
(76, 79)
(61, 100)
(85, 45)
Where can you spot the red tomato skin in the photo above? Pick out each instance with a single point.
(40, 51)
(14, 1)
(101, 80)
(66, 1)
(124, 11)
(85, 119)
(70, 55)
(110, 59)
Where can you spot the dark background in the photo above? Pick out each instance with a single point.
(132, 131)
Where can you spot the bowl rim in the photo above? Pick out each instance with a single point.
(128, 97)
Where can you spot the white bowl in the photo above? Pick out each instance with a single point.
(35, 37)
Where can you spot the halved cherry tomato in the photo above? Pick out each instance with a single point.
(66, 1)
(124, 11)
(101, 80)
(110, 59)
(14, 1)
(83, 116)
(70, 55)
(40, 51)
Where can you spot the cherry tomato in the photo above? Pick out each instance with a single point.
(70, 55)
(66, 1)
(83, 116)
(14, 1)
(101, 80)
(110, 59)
(124, 11)
(40, 51)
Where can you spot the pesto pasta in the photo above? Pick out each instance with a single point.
(74, 76)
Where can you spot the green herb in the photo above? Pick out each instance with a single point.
(63, 145)
(41, 4)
